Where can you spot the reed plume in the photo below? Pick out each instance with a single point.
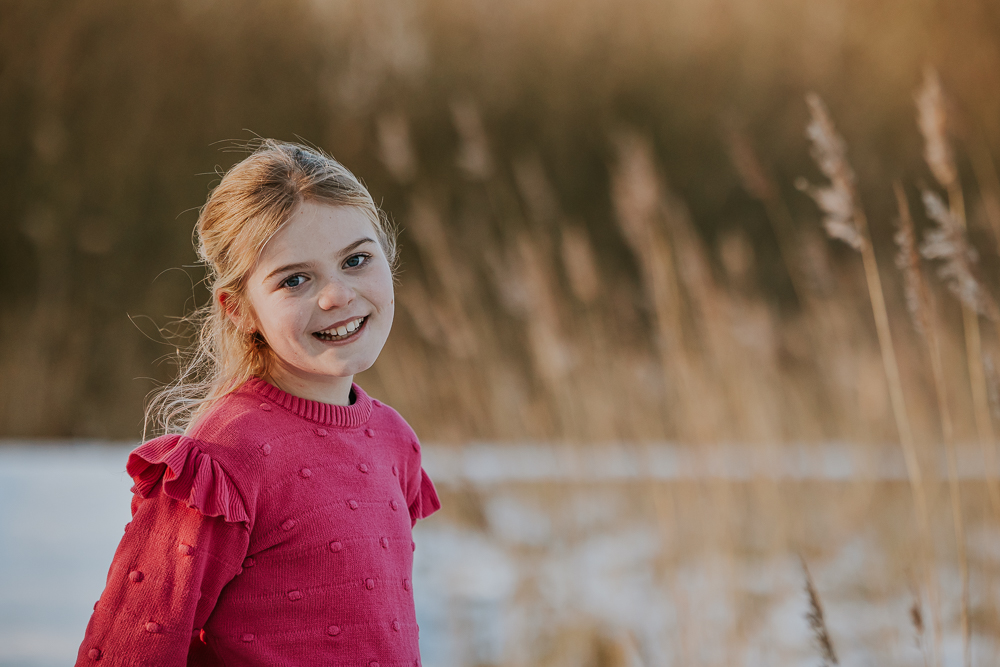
(578, 260)
(947, 243)
(475, 158)
(932, 119)
(842, 217)
(395, 149)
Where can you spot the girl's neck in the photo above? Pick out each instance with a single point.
(332, 390)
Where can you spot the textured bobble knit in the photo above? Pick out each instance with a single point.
(277, 533)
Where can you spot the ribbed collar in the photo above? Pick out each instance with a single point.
(355, 414)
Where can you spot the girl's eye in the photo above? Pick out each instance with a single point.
(293, 281)
(354, 261)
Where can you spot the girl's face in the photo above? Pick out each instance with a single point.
(321, 295)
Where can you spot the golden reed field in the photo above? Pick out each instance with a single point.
(766, 226)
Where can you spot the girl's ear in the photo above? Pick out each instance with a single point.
(235, 313)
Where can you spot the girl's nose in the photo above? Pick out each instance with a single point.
(335, 294)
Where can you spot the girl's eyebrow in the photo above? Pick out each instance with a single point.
(286, 267)
(356, 244)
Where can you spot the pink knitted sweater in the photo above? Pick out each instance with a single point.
(278, 533)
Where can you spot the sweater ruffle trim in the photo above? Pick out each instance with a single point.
(189, 475)
(426, 502)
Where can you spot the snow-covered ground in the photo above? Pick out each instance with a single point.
(544, 555)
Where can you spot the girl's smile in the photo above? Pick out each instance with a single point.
(321, 297)
(340, 332)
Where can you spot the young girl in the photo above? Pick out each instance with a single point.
(272, 525)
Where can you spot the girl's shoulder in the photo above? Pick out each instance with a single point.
(396, 431)
(390, 423)
(215, 468)
(241, 415)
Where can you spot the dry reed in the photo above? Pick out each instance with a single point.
(845, 220)
(636, 195)
(817, 622)
(760, 184)
(919, 629)
(989, 184)
(925, 320)
(948, 243)
(395, 147)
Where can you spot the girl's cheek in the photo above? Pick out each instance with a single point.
(385, 284)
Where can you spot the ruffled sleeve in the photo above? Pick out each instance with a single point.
(426, 501)
(189, 475)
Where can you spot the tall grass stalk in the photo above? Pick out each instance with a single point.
(917, 621)
(637, 199)
(932, 119)
(924, 316)
(759, 183)
(948, 243)
(844, 219)
(985, 172)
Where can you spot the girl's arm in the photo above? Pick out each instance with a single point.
(164, 581)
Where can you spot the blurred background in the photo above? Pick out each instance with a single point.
(672, 420)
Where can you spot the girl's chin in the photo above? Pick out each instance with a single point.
(320, 370)
(344, 369)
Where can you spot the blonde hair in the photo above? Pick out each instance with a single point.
(249, 206)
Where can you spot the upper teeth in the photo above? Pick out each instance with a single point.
(350, 327)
